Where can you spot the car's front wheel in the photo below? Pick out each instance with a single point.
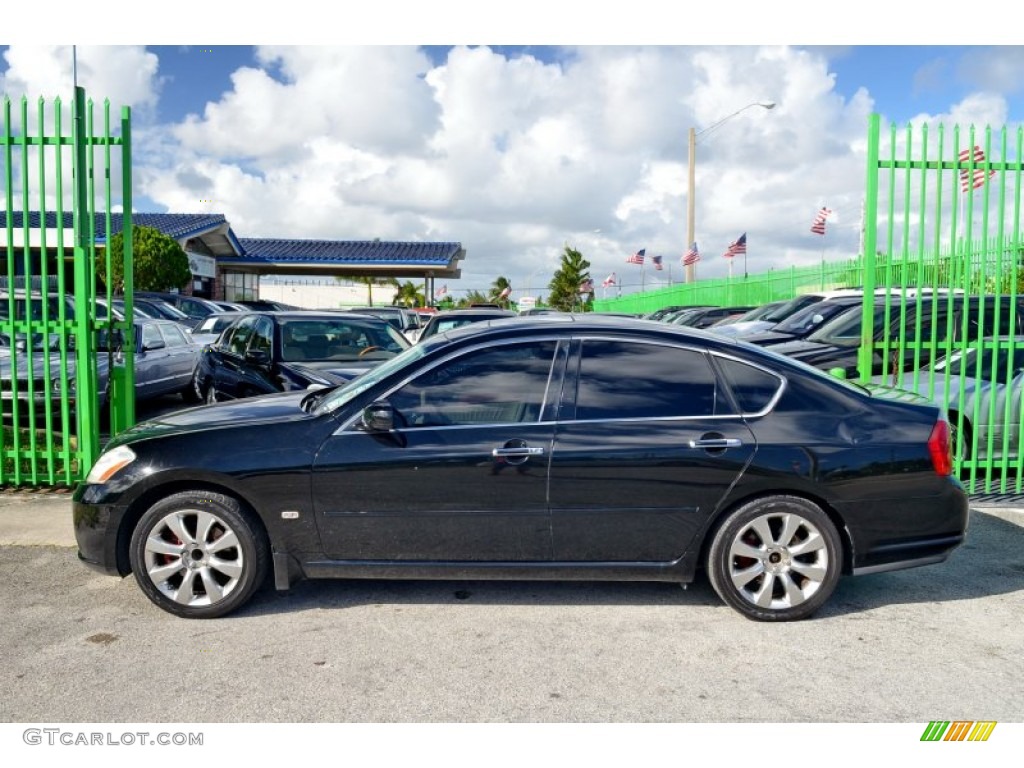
(198, 554)
(776, 559)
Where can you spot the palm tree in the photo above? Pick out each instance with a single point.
(501, 289)
(369, 281)
(565, 285)
(408, 295)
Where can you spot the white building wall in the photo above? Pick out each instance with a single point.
(325, 296)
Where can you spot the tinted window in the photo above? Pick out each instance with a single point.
(150, 336)
(506, 384)
(262, 334)
(174, 336)
(237, 340)
(753, 387)
(629, 380)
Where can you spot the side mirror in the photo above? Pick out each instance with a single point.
(258, 357)
(379, 417)
(155, 344)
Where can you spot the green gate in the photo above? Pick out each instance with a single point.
(57, 168)
(942, 211)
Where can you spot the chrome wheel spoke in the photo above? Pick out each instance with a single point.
(176, 522)
(185, 593)
(230, 568)
(790, 525)
(224, 542)
(742, 549)
(213, 590)
(763, 596)
(204, 524)
(161, 573)
(794, 595)
(763, 530)
(813, 543)
(813, 571)
(742, 577)
(157, 546)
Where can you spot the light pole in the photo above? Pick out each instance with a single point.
(691, 269)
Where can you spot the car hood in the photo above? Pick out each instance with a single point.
(247, 411)
(330, 371)
(742, 328)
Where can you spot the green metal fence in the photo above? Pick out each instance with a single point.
(750, 290)
(50, 159)
(943, 209)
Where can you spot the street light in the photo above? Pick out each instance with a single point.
(691, 269)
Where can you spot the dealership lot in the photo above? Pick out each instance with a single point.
(939, 642)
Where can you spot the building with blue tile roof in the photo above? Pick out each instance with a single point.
(227, 267)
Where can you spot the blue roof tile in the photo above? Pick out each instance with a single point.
(176, 225)
(349, 252)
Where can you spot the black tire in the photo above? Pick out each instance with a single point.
(776, 559)
(198, 555)
(190, 394)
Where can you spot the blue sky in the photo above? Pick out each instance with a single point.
(904, 80)
(519, 150)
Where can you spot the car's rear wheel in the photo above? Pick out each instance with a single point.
(960, 439)
(776, 559)
(198, 555)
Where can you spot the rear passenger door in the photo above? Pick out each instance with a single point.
(647, 444)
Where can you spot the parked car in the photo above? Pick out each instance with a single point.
(836, 344)
(707, 316)
(559, 447)
(210, 328)
(264, 352)
(456, 318)
(981, 389)
(404, 320)
(757, 313)
(165, 359)
(195, 307)
(802, 324)
(154, 307)
(742, 328)
(266, 305)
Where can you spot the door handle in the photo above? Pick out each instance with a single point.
(519, 451)
(716, 443)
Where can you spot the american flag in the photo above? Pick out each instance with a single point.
(610, 280)
(818, 227)
(587, 286)
(692, 256)
(505, 293)
(442, 291)
(637, 258)
(736, 247)
(656, 261)
(979, 176)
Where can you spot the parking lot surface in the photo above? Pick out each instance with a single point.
(939, 642)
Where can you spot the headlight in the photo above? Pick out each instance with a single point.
(109, 464)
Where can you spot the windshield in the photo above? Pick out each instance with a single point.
(345, 393)
(791, 306)
(338, 339)
(844, 329)
(810, 317)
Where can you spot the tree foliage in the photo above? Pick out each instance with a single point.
(160, 263)
(498, 288)
(408, 295)
(565, 285)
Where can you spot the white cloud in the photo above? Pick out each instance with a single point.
(513, 156)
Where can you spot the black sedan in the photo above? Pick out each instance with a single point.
(264, 352)
(559, 447)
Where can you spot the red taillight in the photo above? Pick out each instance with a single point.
(940, 449)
